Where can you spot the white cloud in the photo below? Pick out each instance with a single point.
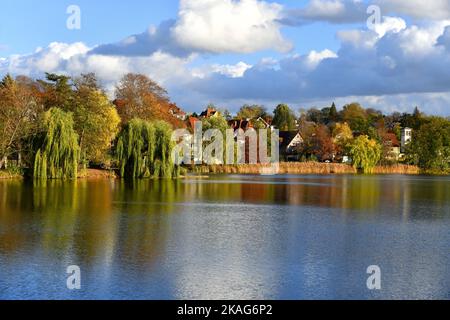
(205, 26)
(413, 61)
(390, 24)
(394, 64)
(444, 40)
(223, 26)
(233, 71)
(146, 43)
(74, 59)
(333, 11)
(355, 11)
(430, 9)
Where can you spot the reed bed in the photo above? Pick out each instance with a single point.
(283, 168)
(397, 169)
(302, 168)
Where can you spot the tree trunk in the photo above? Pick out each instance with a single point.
(4, 162)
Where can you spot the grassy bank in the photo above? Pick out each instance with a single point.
(10, 174)
(302, 168)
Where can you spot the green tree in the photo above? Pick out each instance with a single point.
(57, 147)
(216, 122)
(144, 150)
(252, 112)
(430, 146)
(333, 115)
(284, 118)
(365, 153)
(356, 117)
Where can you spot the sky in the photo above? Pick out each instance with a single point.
(390, 55)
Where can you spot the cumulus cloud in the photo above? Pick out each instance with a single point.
(74, 59)
(431, 9)
(392, 64)
(444, 40)
(355, 11)
(152, 40)
(204, 26)
(232, 71)
(409, 61)
(389, 24)
(221, 26)
(333, 11)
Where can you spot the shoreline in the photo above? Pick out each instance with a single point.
(285, 168)
(304, 168)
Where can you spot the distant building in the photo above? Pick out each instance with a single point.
(406, 138)
(209, 112)
(290, 141)
(177, 112)
(392, 146)
(192, 121)
(237, 124)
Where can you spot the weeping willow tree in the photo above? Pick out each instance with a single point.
(144, 150)
(57, 152)
(366, 153)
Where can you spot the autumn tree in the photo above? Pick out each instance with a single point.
(57, 92)
(324, 147)
(138, 96)
(96, 120)
(19, 109)
(307, 132)
(342, 137)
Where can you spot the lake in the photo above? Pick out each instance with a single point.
(227, 237)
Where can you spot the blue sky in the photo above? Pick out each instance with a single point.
(26, 26)
(229, 52)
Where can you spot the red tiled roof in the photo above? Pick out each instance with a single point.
(391, 138)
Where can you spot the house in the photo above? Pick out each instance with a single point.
(175, 111)
(406, 138)
(267, 123)
(290, 141)
(192, 121)
(209, 112)
(237, 124)
(392, 146)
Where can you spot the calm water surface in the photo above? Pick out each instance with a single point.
(227, 237)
